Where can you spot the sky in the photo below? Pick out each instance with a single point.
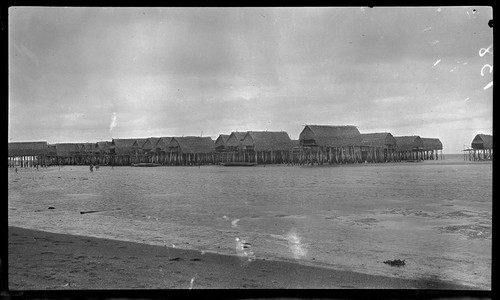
(93, 74)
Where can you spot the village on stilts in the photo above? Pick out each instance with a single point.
(317, 145)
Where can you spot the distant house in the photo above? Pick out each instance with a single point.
(220, 142)
(409, 147)
(126, 151)
(431, 147)
(482, 141)
(481, 147)
(67, 149)
(67, 152)
(380, 139)
(331, 143)
(162, 150)
(233, 142)
(102, 152)
(102, 148)
(20, 151)
(326, 136)
(149, 149)
(266, 146)
(378, 147)
(192, 150)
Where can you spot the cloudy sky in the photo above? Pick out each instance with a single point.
(91, 74)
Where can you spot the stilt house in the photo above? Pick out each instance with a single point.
(192, 150)
(431, 148)
(409, 147)
(331, 144)
(266, 147)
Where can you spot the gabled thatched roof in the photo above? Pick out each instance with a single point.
(268, 140)
(235, 139)
(331, 136)
(163, 143)
(221, 140)
(150, 144)
(125, 146)
(482, 141)
(67, 149)
(193, 144)
(378, 139)
(408, 143)
(27, 149)
(432, 144)
(140, 142)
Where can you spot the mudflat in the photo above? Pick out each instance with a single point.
(41, 260)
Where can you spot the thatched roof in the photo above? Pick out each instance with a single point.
(330, 136)
(221, 140)
(268, 140)
(482, 141)
(432, 144)
(103, 146)
(140, 142)
(150, 144)
(163, 143)
(125, 146)
(235, 139)
(193, 144)
(86, 148)
(67, 149)
(379, 139)
(296, 144)
(28, 149)
(408, 143)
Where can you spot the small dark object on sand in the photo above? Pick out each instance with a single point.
(51, 207)
(89, 212)
(176, 258)
(195, 259)
(396, 262)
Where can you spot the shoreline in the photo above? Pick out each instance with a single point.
(40, 260)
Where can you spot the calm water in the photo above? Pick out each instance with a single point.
(435, 215)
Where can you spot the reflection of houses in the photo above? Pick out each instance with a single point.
(331, 144)
(409, 147)
(191, 150)
(481, 148)
(431, 148)
(378, 147)
(266, 147)
(27, 154)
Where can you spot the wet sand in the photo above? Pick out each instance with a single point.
(41, 260)
(435, 215)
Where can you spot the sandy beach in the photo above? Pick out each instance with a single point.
(41, 260)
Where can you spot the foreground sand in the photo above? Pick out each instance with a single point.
(41, 260)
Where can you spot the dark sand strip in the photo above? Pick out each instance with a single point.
(41, 260)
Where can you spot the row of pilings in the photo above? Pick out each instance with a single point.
(302, 156)
(478, 154)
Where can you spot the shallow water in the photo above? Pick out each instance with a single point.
(435, 215)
